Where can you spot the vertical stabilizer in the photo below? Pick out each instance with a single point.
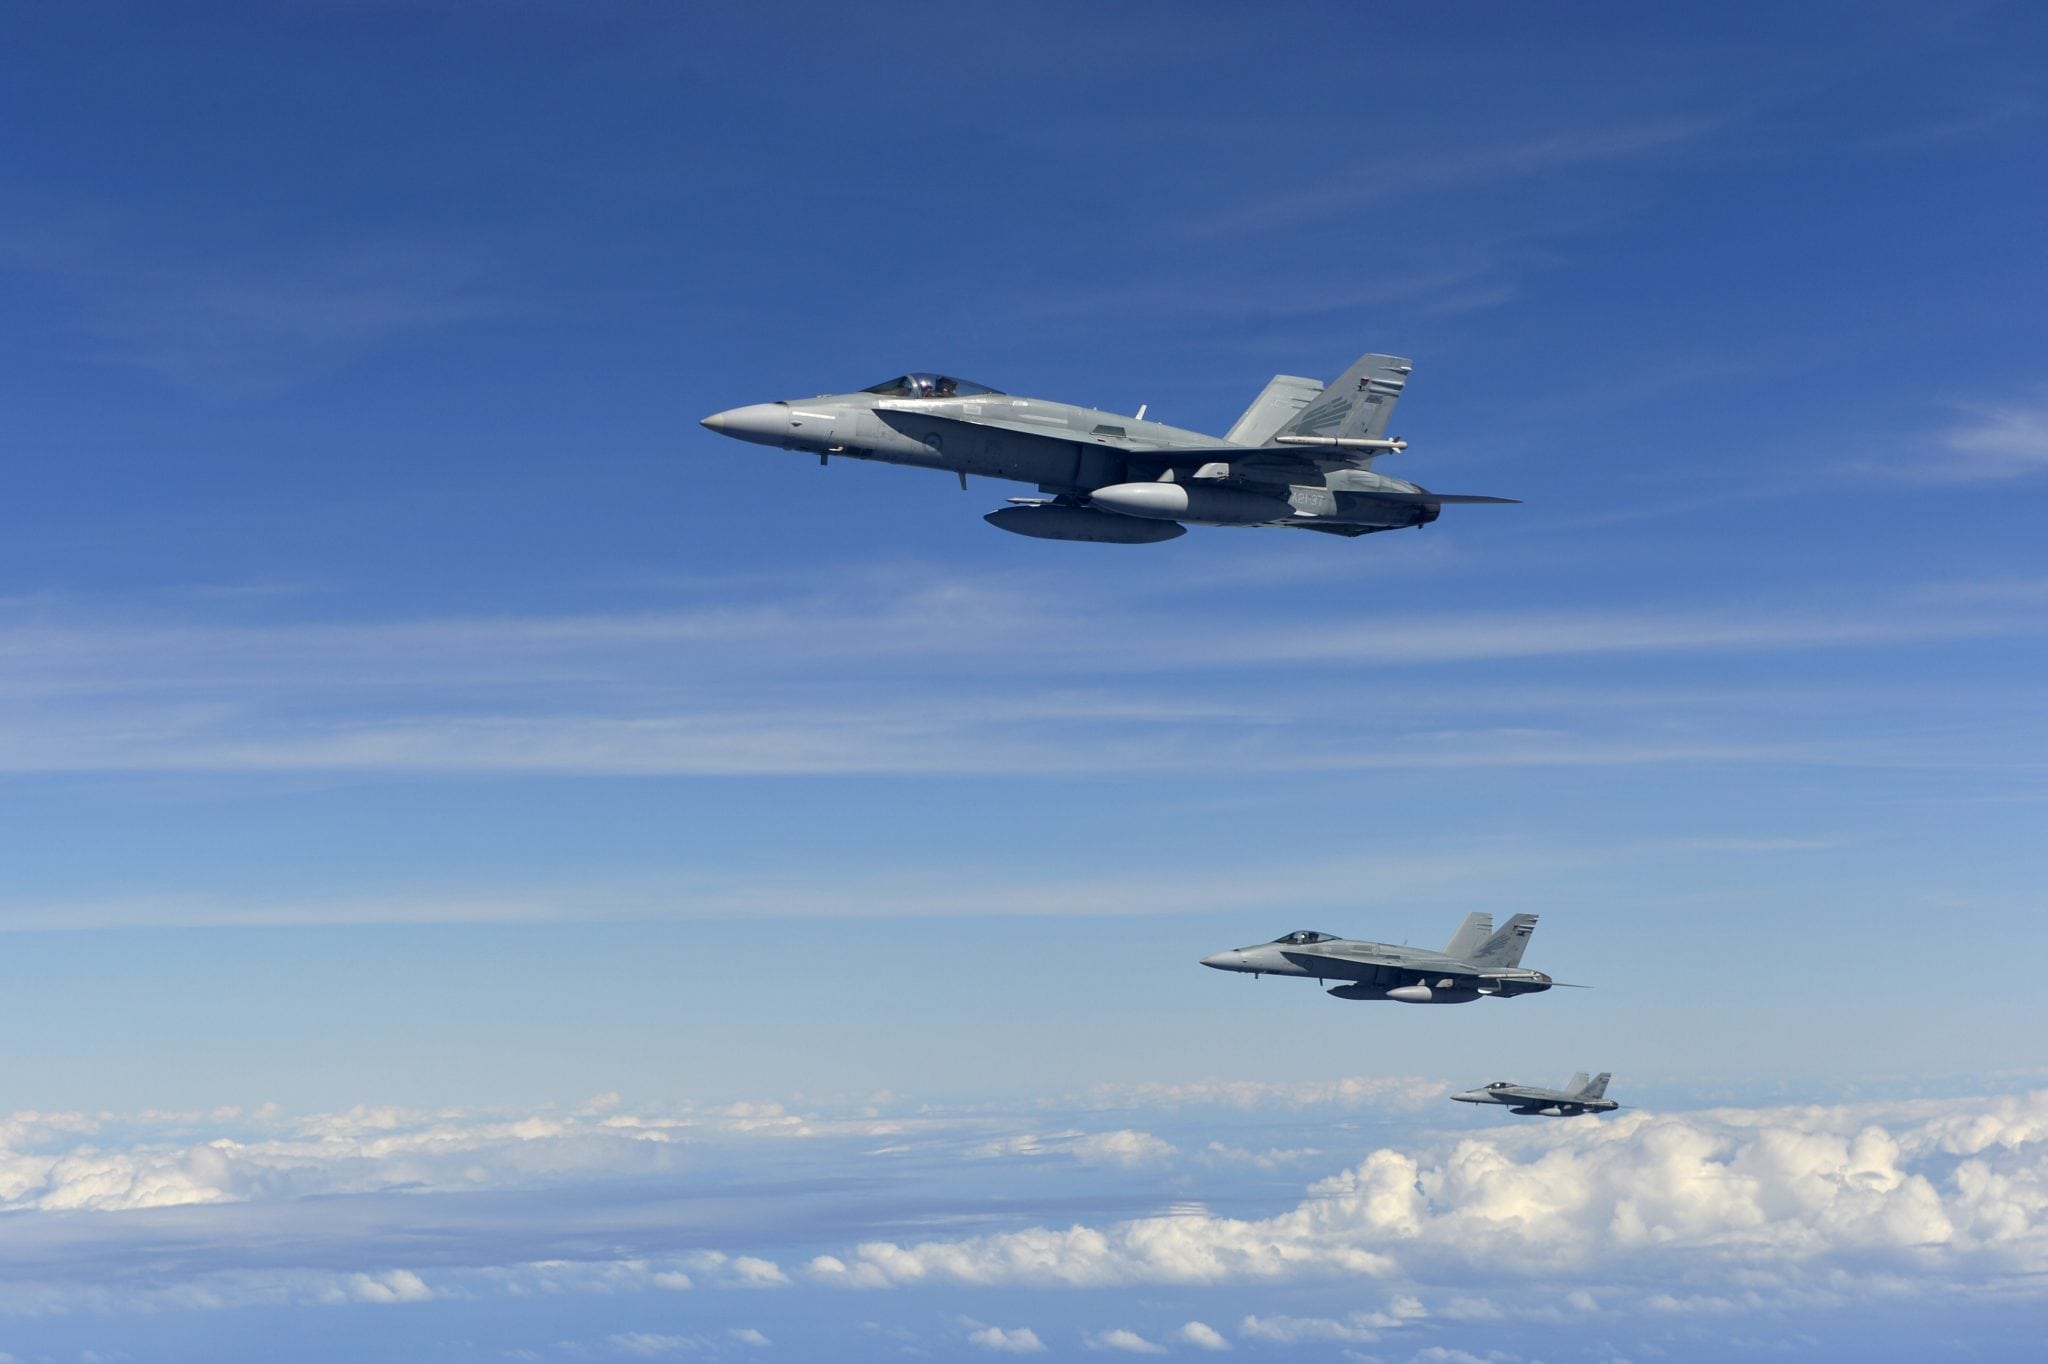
(1470, 937)
(1358, 405)
(1278, 404)
(1576, 1086)
(1505, 948)
(1597, 1089)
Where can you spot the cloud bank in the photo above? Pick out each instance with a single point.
(1774, 1196)
(1650, 1216)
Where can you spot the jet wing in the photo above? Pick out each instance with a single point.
(1340, 968)
(1280, 464)
(1374, 970)
(1277, 459)
(1177, 456)
(1261, 463)
(1063, 435)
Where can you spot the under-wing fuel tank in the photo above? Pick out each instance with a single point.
(1053, 522)
(1407, 994)
(1171, 501)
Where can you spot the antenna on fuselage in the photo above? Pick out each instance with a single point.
(1141, 411)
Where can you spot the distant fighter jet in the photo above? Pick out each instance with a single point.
(1478, 961)
(1301, 455)
(1579, 1095)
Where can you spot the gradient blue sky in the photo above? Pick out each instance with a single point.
(406, 704)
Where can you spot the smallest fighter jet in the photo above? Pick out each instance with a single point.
(1579, 1095)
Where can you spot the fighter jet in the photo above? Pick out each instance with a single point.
(1300, 456)
(1477, 962)
(1579, 1095)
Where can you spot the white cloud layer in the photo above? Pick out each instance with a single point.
(1951, 1191)
(77, 1162)
(1669, 1216)
(1125, 1147)
(1346, 1092)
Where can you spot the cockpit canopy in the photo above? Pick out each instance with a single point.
(928, 386)
(1500, 1084)
(1298, 938)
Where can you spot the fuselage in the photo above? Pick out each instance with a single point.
(1532, 1100)
(1089, 460)
(1377, 970)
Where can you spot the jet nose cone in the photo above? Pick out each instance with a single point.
(1222, 961)
(765, 423)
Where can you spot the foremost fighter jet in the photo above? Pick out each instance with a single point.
(1301, 455)
(1579, 1095)
(1477, 962)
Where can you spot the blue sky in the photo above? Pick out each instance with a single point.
(417, 735)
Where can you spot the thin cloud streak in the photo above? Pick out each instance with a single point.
(260, 321)
(1388, 878)
(1998, 441)
(924, 625)
(1376, 179)
(967, 741)
(1990, 442)
(813, 684)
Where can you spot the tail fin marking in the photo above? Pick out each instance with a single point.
(1595, 1090)
(1359, 404)
(1505, 947)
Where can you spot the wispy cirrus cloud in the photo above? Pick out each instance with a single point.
(1993, 442)
(1444, 874)
(256, 322)
(1985, 442)
(742, 687)
(1392, 174)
